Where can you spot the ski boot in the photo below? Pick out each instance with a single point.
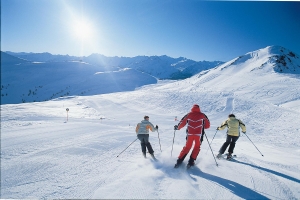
(219, 156)
(190, 163)
(229, 156)
(144, 154)
(179, 162)
(152, 155)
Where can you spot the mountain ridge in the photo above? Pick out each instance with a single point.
(165, 67)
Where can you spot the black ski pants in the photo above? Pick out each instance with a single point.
(144, 138)
(229, 140)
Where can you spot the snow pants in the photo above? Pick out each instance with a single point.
(189, 143)
(229, 140)
(144, 138)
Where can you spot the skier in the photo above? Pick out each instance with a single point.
(196, 123)
(233, 134)
(142, 131)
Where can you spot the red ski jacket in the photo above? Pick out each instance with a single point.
(196, 121)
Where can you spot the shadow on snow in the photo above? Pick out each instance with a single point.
(270, 171)
(235, 188)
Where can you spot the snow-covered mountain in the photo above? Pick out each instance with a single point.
(162, 67)
(24, 81)
(276, 67)
(272, 58)
(48, 153)
(33, 77)
(43, 57)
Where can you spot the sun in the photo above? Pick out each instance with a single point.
(83, 30)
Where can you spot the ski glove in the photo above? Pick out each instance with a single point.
(218, 128)
(176, 127)
(156, 127)
(244, 132)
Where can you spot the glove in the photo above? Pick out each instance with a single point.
(176, 127)
(244, 132)
(156, 127)
(218, 128)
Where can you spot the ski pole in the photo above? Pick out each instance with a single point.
(213, 137)
(211, 150)
(159, 140)
(127, 147)
(173, 143)
(212, 140)
(254, 145)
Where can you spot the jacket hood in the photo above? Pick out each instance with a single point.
(195, 108)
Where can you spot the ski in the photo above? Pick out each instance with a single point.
(155, 159)
(177, 165)
(152, 156)
(224, 156)
(231, 158)
(180, 166)
(189, 166)
(232, 155)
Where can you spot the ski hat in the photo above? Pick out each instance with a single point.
(195, 108)
(231, 115)
(146, 117)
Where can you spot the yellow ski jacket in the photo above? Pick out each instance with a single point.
(233, 126)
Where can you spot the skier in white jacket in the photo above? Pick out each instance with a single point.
(142, 131)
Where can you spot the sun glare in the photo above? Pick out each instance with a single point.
(83, 30)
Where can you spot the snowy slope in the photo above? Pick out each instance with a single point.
(44, 154)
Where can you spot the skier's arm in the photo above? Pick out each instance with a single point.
(151, 127)
(182, 122)
(137, 128)
(243, 126)
(223, 125)
(206, 122)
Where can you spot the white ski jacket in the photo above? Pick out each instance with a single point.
(144, 126)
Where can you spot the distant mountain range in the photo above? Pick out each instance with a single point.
(30, 77)
(162, 67)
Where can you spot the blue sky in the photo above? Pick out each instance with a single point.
(198, 30)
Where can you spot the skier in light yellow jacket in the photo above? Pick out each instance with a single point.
(233, 134)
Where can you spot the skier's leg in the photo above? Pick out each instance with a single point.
(225, 145)
(232, 144)
(143, 145)
(148, 145)
(185, 150)
(196, 149)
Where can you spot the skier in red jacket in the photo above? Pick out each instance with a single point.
(196, 123)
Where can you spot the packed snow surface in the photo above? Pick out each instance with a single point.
(49, 153)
